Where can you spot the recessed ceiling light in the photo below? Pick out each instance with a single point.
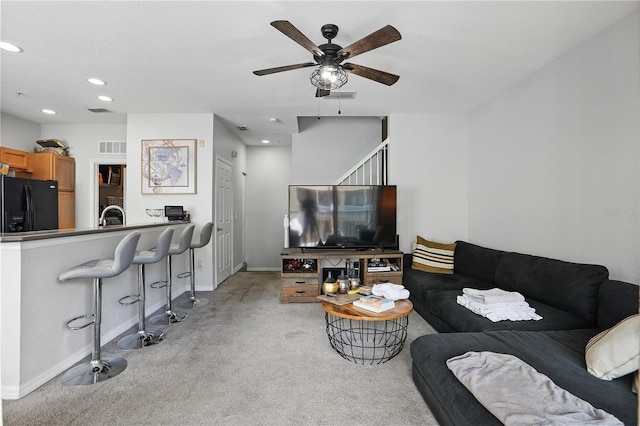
(265, 141)
(48, 111)
(105, 98)
(10, 47)
(96, 81)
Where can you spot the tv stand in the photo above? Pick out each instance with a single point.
(302, 277)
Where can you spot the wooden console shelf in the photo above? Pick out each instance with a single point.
(302, 276)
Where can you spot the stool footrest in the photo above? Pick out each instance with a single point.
(158, 284)
(130, 299)
(80, 327)
(184, 274)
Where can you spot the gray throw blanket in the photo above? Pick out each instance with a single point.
(517, 394)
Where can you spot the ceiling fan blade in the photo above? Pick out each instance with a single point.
(287, 28)
(371, 74)
(322, 93)
(285, 68)
(383, 36)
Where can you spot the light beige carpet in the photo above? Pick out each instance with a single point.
(244, 359)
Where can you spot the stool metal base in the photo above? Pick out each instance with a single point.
(193, 303)
(141, 339)
(94, 371)
(168, 317)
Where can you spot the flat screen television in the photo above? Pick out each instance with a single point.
(342, 216)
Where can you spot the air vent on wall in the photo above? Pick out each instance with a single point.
(112, 147)
(342, 94)
(98, 110)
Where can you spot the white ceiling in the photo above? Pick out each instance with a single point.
(198, 56)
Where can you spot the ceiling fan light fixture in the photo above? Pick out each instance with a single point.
(329, 77)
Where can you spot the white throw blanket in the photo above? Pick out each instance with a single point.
(494, 295)
(390, 291)
(515, 311)
(517, 394)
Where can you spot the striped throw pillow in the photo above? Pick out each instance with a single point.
(429, 256)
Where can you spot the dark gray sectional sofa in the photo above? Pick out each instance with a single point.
(576, 301)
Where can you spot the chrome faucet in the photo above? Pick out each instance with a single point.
(103, 221)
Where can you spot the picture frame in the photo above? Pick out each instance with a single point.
(168, 166)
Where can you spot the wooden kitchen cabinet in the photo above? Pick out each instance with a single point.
(16, 159)
(50, 166)
(66, 209)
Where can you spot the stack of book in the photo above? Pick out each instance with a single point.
(378, 265)
(374, 303)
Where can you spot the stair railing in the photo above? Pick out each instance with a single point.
(371, 170)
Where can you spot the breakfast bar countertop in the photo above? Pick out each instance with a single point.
(12, 237)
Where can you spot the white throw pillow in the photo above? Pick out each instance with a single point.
(616, 351)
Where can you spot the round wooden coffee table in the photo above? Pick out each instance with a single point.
(366, 337)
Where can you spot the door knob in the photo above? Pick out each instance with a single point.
(219, 229)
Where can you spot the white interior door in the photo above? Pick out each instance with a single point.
(224, 219)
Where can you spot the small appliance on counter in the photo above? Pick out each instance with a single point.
(173, 213)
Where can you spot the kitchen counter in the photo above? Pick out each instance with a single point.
(58, 233)
(35, 343)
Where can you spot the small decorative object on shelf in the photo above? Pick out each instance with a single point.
(330, 286)
(354, 283)
(343, 284)
(154, 212)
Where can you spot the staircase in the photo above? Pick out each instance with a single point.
(371, 170)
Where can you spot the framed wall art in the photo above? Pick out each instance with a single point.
(169, 166)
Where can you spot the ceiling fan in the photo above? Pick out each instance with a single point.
(331, 72)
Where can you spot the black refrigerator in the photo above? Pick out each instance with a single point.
(28, 204)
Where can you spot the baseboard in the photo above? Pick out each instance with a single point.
(240, 267)
(263, 269)
(17, 392)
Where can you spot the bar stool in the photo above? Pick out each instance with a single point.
(145, 257)
(205, 237)
(99, 369)
(170, 316)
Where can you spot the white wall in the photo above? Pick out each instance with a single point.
(268, 179)
(554, 163)
(18, 133)
(83, 142)
(174, 126)
(326, 149)
(428, 163)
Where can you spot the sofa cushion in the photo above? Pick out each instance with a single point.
(442, 303)
(616, 301)
(476, 261)
(569, 286)
(419, 282)
(429, 256)
(615, 351)
(557, 354)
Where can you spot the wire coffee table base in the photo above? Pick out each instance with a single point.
(366, 342)
(365, 337)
